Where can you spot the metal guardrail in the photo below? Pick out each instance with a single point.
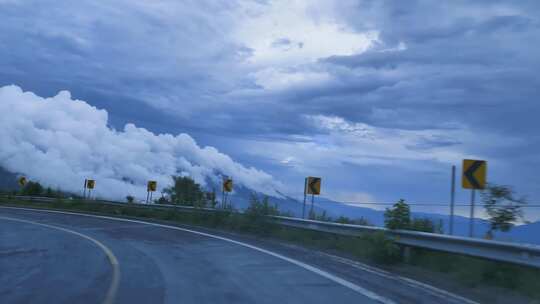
(521, 254)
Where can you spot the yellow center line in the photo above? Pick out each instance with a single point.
(113, 288)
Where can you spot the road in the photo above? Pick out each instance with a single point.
(49, 257)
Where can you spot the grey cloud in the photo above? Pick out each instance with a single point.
(286, 44)
(467, 66)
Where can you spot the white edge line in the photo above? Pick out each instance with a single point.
(338, 280)
(113, 287)
(410, 282)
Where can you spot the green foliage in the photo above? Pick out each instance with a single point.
(162, 200)
(186, 192)
(472, 271)
(398, 217)
(426, 225)
(130, 199)
(254, 216)
(259, 208)
(32, 189)
(502, 207)
(359, 221)
(382, 250)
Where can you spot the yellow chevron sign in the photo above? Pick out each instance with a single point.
(22, 181)
(152, 186)
(90, 184)
(228, 185)
(313, 185)
(474, 174)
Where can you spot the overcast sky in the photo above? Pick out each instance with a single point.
(379, 98)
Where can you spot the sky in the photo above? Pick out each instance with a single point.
(379, 98)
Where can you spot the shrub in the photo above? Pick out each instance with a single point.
(398, 217)
(381, 249)
(254, 219)
(186, 191)
(425, 225)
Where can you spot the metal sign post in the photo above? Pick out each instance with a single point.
(313, 187)
(452, 198)
(227, 187)
(471, 221)
(311, 210)
(223, 198)
(305, 196)
(89, 184)
(151, 186)
(473, 177)
(84, 189)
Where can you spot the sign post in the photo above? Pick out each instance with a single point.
(89, 184)
(314, 188)
(452, 199)
(473, 177)
(150, 188)
(305, 196)
(227, 187)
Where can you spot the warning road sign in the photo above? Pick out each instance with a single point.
(90, 184)
(228, 185)
(152, 186)
(313, 185)
(474, 174)
(22, 181)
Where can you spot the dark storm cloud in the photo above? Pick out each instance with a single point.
(437, 66)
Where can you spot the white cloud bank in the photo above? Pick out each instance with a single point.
(59, 142)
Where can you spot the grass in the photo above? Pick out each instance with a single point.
(376, 248)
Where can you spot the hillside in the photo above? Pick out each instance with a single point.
(528, 233)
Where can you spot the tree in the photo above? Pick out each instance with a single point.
(398, 217)
(162, 200)
(130, 199)
(254, 218)
(426, 225)
(259, 207)
(358, 221)
(32, 188)
(185, 191)
(502, 207)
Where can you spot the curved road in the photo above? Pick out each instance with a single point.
(51, 257)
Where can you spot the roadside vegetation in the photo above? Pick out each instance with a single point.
(376, 248)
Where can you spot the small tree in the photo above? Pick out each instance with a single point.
(32, 188)
(398, 217)
(162, 200)
(426, 225)
(358, 221)
(254, 218)
(502, 207)
(130, 199)
(185, 191)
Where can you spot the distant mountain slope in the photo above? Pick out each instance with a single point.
(529, 233)
(8, 180)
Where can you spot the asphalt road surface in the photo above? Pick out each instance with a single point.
(48, 257)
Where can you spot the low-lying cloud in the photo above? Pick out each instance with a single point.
(60, 141)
